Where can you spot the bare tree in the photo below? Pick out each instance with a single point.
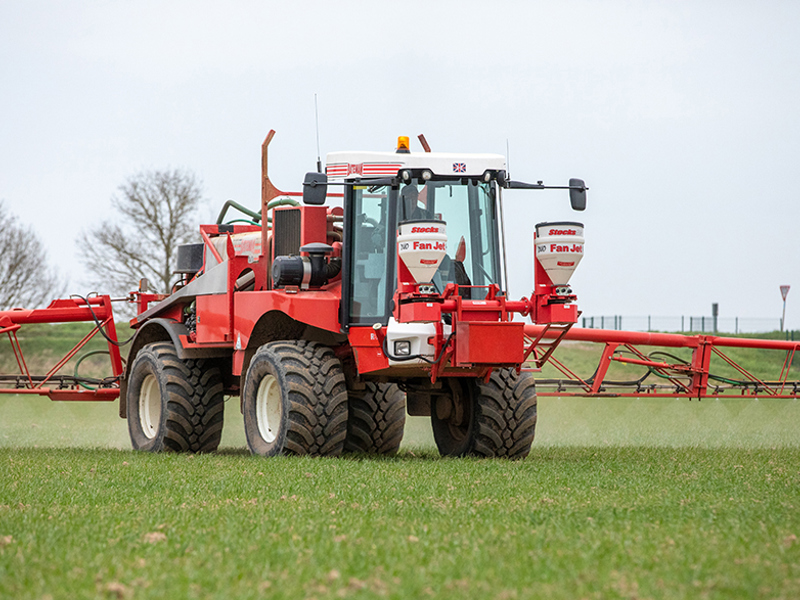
(156, 215)
(26, 280)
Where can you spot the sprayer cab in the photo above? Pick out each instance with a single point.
(418, 222)
(423, 258)
(414, 226)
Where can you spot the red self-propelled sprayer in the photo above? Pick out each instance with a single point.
(382, 294)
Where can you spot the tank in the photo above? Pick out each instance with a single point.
(559, 249)
(421, 245)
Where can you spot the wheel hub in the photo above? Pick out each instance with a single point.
(269, 408)
(150, 406)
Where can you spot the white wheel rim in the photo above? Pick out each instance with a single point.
(269, 408)
(150, 406)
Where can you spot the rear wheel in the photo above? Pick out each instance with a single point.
(493, 419)
(295, 400)
(376, 419)
(174, 404)
(452, 418)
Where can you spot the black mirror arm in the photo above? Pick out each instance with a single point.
(521, 185)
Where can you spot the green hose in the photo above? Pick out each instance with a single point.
(251, 213)
(245, 221)
(282, 202)
(78, 364)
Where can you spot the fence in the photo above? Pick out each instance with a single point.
(684, 324)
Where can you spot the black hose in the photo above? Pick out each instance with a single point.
(99, 324)
(418, 356)
(332, 268)
(631, 382)
(729, 381)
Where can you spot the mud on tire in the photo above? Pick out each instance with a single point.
(295, 400)
(173, 404)
(376, 419)
(493, 419)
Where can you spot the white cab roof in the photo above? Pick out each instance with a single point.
(348, 165)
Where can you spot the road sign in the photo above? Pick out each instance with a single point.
(784, 291)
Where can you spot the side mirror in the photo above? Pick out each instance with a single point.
(577, 194)
(315, 188)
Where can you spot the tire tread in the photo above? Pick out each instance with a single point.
(506, 415)
(376, 421)
(317, 397)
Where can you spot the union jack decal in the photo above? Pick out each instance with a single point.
(459, 167)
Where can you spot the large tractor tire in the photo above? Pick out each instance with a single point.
(493, 419)
(173, 404)
(376, 419)
(295, 400)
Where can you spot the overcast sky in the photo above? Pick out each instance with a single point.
(682, 117)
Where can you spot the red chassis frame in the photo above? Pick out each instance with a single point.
(58, 387)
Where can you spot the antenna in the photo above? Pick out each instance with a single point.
(316, 117)
(508, 161)
(502, 216)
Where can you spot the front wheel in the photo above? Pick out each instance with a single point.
(295, 400)
(492, 419)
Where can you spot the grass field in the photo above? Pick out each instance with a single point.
(619, 499)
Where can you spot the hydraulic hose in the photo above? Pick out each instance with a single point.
(245, 221)
(78, 378)
(255, 216)
(99, 324)
(230, 203)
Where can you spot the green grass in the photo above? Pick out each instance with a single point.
(34, 422)
(569, 522)
(619, 499)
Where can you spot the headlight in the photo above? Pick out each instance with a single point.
(402, 348)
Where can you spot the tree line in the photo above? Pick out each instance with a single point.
(155, 212)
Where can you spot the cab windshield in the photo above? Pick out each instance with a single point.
(468, 208)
